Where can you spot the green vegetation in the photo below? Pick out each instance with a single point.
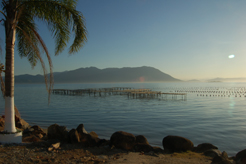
(19, 18)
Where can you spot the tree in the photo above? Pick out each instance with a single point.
(19, 18)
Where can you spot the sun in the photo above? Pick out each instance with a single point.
(231, 56)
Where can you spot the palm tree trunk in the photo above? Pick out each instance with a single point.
(9, 74)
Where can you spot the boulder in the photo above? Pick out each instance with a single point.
(241, 156)
(20, 123)
(123, 140)
(177, 143)
(30, 138)
(81, 129)
(141, 139)
(73, 136)
(57, 132)
(223, 159)
(139, 147)
(224, 155)
(201, 148)
(103, 142)
(28, 131)
(54, 146)
(33, 134)
(93, 134)
(212, 153)
(157, 149)
(217, 159)
(88, 140)
(38, 131)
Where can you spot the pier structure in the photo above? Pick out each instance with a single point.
(130, 92)
(214, 91)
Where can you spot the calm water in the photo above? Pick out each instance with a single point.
(217, 120)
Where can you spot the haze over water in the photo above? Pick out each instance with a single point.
(202, 119)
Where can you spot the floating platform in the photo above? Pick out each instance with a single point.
(130, 92)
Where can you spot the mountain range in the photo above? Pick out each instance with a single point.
(107, 75)
(239, 79)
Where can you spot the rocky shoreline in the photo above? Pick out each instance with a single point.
(79, 146)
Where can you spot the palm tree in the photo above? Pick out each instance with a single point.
(3, 88)
(19, 18)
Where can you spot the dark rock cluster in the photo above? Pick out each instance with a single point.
(74, 136)
(123, 140)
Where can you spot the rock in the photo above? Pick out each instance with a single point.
(217, 159)
(81, 129)
(212, 153)
(204, 147)
(39, 135)
(123, 140)
(57, 132)
(37, 128)
(74, 136)
(31, 138)
(89, 141)
(103, 142)
(141, 139)
(28, 130)
(2, 122)
(226, 161)
(243, 160)
(224, 155)
(54, 146)
(20, 123)
(93, 134)
(241, 156)
(142, 144)
(31, 133)
(143, 147)
(17, 113)
(177, 143)
(38, 131)
(222, 159)
(157, 149)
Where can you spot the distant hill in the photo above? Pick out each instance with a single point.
(240, 79)
(193, 80)
(108, 75)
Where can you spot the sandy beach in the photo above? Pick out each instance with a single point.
(73, 154)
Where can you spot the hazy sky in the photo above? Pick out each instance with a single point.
(186, 39)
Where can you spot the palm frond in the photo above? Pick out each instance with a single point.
(1, 48)
(34, 49)
(62, 18)
(23, 42)
(3, 14)
(26, 24)
(42, 44)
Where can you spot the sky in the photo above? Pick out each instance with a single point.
(187, 39)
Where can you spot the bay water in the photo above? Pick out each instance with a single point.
(202, 118)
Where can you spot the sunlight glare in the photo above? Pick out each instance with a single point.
(231, 56)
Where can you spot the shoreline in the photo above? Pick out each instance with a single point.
(69, 153)
(122, 147)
